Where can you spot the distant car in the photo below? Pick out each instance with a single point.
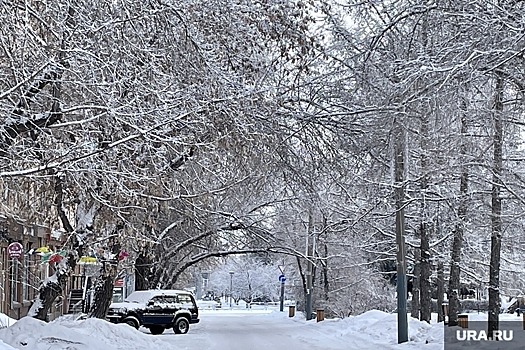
(262, 299)
(156, 310)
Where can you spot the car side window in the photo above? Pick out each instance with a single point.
(185, 300)
(157, 301)
(170, 299)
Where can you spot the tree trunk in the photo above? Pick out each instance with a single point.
(497, 167)
(106, 280)
(440, 291)
(303, 278)
(415, 307)
(142, 272)
(326, 280)
(309, 267)
(104, 290)
(399, 194)
(250, 289)
(425, 272)
(424, 262)
(457, 243)
(103, 295)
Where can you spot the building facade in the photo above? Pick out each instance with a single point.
(26, 259)
(21, 270)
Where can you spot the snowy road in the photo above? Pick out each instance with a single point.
(245, 330)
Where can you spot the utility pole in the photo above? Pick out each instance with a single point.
(399, 169)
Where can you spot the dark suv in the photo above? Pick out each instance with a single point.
(156, 310)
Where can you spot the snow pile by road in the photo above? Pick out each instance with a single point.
(67, 333)
(380, 329)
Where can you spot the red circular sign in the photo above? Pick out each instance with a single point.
(15, 250)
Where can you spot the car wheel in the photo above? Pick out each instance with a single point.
(133, 323)
(155, 330)
(182, 326)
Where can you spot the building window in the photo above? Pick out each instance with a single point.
(15, 267)
(25, 278)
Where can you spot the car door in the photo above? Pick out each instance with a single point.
(153, 312)
(170, 308)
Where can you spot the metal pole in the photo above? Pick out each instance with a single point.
(13, 282)
(281, 300)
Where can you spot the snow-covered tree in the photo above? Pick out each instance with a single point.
(252, 278)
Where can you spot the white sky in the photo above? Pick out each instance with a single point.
(227, 330)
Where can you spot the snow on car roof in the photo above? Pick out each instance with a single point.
(143, 296)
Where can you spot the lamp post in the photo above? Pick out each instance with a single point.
(231, 287)
(204, 286)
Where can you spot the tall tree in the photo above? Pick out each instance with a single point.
(457, 241)
(496, 208)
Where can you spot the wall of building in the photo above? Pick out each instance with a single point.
(20, 277)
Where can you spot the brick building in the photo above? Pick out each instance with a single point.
(20, 274)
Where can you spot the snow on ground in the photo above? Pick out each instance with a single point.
(371, 330)
(6, 321)
(374, 328)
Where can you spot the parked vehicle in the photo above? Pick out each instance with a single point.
(157, 310)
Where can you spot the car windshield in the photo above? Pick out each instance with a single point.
(139, 297)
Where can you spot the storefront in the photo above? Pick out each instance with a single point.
(124, 286)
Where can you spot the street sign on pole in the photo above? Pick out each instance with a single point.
(15, 250)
